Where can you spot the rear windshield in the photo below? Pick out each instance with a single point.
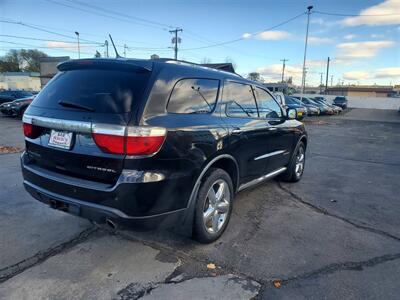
(104, 91)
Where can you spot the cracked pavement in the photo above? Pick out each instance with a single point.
(335, 234)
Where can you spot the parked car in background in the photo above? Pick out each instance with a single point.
(293, 104)
(155, 143)
(335, 108)
(17, 107)
(10, 95)
(340, 101)
(312, 108)
(324, 108)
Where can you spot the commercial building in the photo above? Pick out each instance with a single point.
(48, 67)
(361, 91)
(28, 81)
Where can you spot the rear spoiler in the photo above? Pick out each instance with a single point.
(99, 63)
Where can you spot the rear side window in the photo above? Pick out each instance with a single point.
(105, 91)
(240, 100)
(193, 96)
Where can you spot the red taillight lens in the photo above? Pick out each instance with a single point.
(31, 131)
(135, 141)
(143, 145)
(110, 143)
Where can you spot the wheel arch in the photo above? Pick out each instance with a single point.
(224, 161)
(303, 139)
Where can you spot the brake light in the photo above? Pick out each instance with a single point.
(135, 141)
(31, 131)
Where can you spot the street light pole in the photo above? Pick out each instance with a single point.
(303, 80)
(320, 83)
(283, 67)
(79, 46)
(327, 74)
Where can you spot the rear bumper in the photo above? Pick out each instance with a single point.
(125, 203)
(341, 105)
(100, 213)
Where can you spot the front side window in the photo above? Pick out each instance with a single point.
(193, 96)
(240, 100)
(267, 106)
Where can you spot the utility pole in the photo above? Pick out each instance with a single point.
(125, 50)
(106, 50)
(331, 80)
(327, 74)
(79, 46)
(303, 83)
(176, 40)
(320, 83)
(283, 67)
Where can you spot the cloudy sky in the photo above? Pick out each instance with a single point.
(362, 37)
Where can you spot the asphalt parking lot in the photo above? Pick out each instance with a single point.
(335, 234)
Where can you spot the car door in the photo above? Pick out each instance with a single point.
(281, 133)
(249, 134)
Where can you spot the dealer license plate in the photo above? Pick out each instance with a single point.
(60, 139)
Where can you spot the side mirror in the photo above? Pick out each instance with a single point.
(291, 113)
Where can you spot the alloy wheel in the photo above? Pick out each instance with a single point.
(299, 162)
(216, 206)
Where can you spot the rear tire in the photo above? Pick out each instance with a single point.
(295, 168)
(213, 206)
(21, 113)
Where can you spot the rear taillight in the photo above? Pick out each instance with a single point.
(31, 131)
(135, 141)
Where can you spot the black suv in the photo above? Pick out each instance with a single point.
(340, 101)
(150, 143)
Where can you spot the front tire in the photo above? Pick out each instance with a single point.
(295, 168)
(213, 206)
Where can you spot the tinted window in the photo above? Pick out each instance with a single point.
(106, 91)
(193, 96)
(267, 106)
(240, 100)
(290, 100)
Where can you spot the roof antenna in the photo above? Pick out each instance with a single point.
(115, 48)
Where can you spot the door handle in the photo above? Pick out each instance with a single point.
(272, 128)
(236, 130)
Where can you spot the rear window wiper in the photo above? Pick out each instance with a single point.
(75, 105)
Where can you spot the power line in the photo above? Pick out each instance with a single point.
(353, 15)
(103, 14)
(243, 38)
(43, 30)
(45, 40)
(34, 27)
(43, 47)
(70, 37)
(121, 14)
(84, 33)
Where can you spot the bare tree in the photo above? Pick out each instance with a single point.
(21, 60)
(205, 60)
(231, 61)
(254, 76)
